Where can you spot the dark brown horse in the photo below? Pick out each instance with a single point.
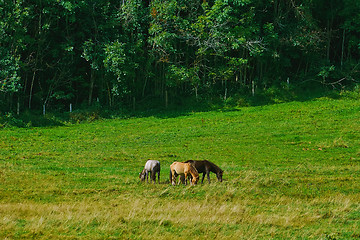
(205, 167)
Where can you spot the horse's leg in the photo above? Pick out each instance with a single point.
(208, 176)
(158, 177)
(170, 176)
(182, 179)
(190, 177)
(153, 176)
(202, 180)
(147, 176)
(173, 179)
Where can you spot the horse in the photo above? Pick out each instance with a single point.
(205, 167)
(152, 166)
(183, 169)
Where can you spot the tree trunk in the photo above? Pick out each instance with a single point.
(134, 103)
(31, 88)
(91, 88)
(328, 43)
(166, 99)
(342, 49)
(253, 88)
(18, 106)
(109, 94)
(144, 87)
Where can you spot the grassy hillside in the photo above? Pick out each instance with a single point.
(291, 171)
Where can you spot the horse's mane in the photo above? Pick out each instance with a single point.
(193, 169)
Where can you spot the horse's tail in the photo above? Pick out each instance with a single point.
(170, 176)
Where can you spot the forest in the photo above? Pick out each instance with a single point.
(126, 53)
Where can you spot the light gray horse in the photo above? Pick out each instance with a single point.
(152, 166)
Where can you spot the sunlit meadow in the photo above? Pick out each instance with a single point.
(291, 171)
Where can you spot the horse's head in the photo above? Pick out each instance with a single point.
(142, 175)
(194, 180)
(219, 175)
(194, 173)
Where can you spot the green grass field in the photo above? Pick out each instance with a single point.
(291, 171)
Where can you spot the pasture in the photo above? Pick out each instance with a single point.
(291, 171)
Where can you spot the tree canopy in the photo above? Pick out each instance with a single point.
(118, 53)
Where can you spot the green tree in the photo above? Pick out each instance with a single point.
(12, 18)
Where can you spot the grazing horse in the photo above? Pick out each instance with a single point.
(183, 169)
(205, 167)
(152, 166)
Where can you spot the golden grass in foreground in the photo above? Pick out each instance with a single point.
(129, 217)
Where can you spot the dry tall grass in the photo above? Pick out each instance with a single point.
(129, 217)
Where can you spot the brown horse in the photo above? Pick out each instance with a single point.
(183, 169)
(205, 167)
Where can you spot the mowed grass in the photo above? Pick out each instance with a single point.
(291, 171)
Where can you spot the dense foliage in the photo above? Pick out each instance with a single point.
(128, 52)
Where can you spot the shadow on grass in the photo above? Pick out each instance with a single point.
(27, 119)
(177, 107)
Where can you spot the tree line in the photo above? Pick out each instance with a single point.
(125, 52)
